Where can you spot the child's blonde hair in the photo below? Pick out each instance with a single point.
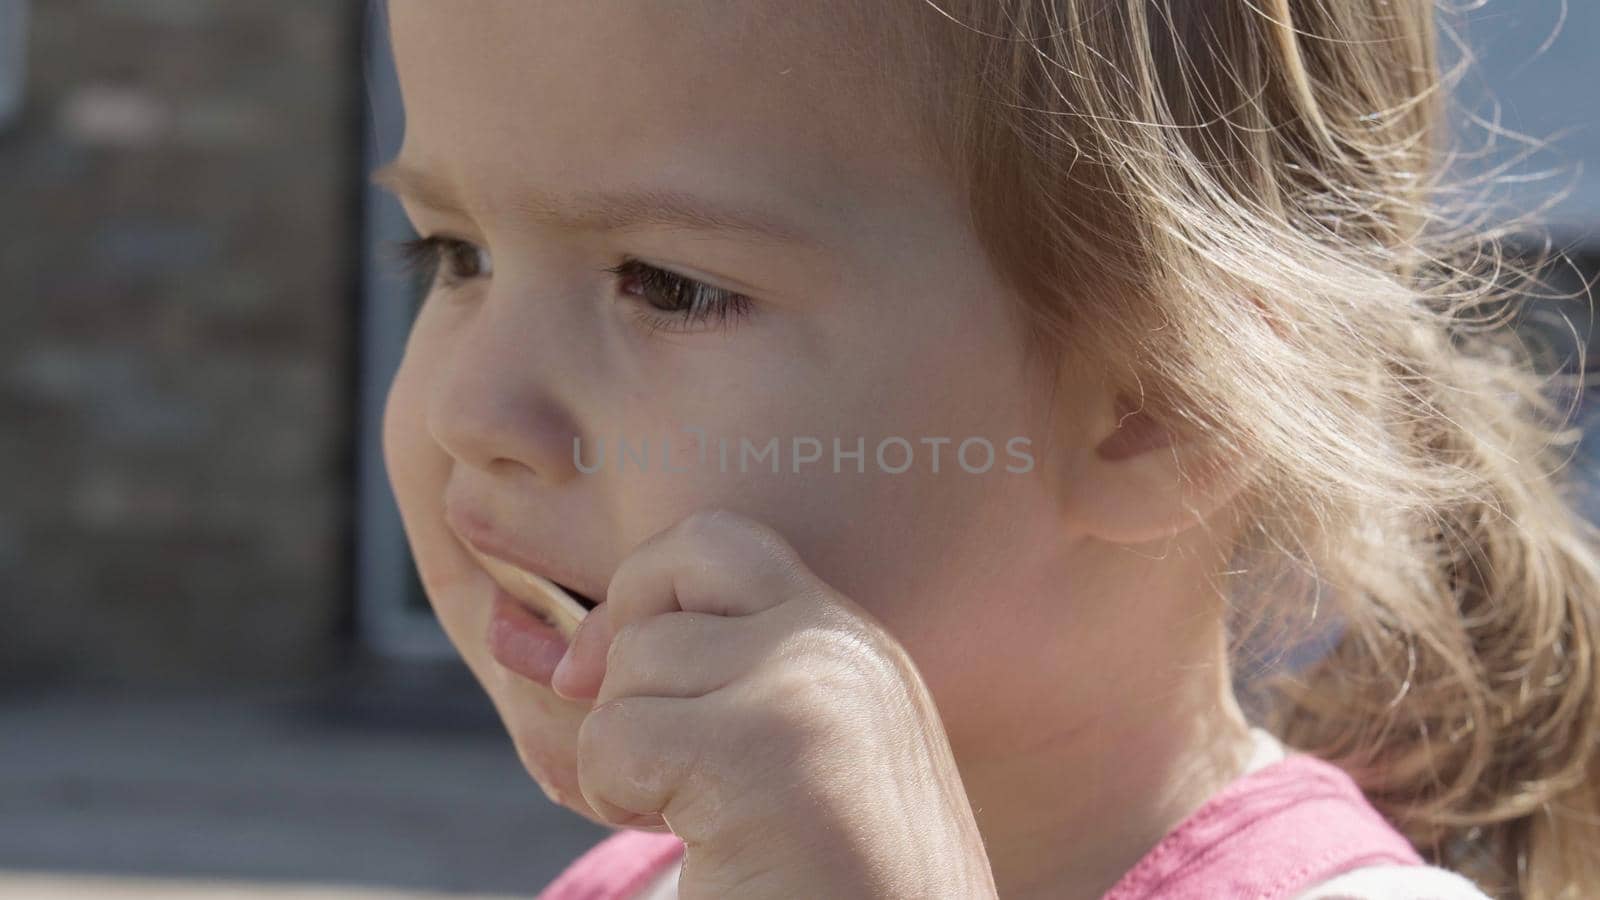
(1237, 209)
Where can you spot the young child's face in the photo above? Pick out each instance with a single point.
(876, 317)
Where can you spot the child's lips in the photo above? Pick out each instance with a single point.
(520, 641)
(553, 603)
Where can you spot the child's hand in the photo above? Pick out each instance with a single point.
(770, 722)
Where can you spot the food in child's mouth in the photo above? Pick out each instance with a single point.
(561, 608)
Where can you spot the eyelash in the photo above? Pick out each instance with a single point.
(422, 259)
(693, 304)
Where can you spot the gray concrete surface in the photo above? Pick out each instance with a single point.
(287, 788)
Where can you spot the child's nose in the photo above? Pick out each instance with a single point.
(496, 401)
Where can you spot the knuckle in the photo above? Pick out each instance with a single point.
(639, 661)
(802, 700)
(850, 672)
(846, 669)
(827, 616)
(728, 538)
(621, 590)
(708, 537)
(603, 728)
(627, 778)
(625, 645)
(706, 525)
(601, 776)
(713, 531)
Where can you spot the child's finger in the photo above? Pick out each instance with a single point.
(719, 563)
(715, 561)
(679, 654)
(624, 786)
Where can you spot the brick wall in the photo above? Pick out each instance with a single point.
(177, 245)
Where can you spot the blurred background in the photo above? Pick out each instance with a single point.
(217, 669)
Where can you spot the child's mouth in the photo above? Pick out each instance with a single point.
(557, 605)
(583, 599)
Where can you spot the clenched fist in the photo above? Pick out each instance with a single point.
(770, 722)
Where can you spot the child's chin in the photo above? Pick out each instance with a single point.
(560, 793)
(558, 781)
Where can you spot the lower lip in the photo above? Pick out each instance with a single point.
(521, 642)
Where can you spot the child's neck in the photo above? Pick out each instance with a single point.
(1075, 801)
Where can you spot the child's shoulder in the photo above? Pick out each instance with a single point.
(1291, 826)
(1382, 881)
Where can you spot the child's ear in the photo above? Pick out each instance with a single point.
(1129, 481)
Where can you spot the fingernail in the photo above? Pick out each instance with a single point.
(563, 672)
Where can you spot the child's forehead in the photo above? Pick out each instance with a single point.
(718, 62)
(590, 94)
(715, 45)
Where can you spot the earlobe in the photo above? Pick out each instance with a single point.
(1136, 483)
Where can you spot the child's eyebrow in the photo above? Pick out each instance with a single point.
(608, 210)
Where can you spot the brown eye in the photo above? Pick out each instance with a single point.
(464, 261)
(446, 260)
(672, 301)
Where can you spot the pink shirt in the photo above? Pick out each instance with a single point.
(618, 868)
(1293, 827)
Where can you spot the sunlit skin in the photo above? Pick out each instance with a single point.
(1062, 620)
